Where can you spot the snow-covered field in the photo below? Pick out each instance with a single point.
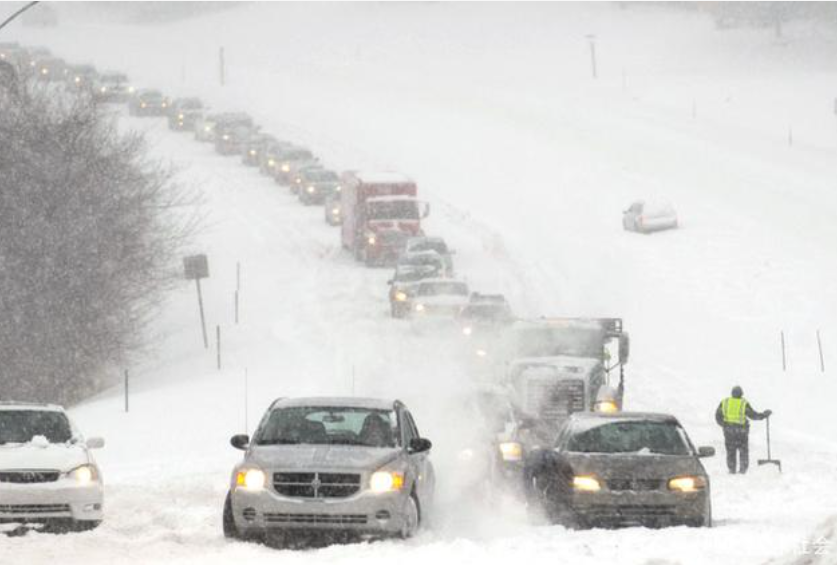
(527, 163)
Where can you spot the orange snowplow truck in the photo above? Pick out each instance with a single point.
(380, 212)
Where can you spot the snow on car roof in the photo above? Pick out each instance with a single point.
(395, 198)
(10, 405)
(384, 177)
(336, 402)
(559, 362)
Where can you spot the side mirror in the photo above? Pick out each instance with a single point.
(624, 348)
(706, 451)
(95, 443)
(419, 445)
(240, 441)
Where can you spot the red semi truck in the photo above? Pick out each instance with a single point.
(380, 212)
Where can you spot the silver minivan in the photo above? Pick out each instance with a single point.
(330, 465)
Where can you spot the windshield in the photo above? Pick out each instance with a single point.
(641, 437)
(393, 210)
(551, 341)
(20, 426)
(322, 176)
(486, 312)
(412, 274)
(441, 288)
(324, 426)
(436, 245)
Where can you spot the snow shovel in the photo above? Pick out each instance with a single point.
(770, 460)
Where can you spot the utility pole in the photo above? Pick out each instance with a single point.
(592, 39)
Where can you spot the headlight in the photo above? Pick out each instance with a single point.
(419, 307)
(312, 190)
(586, 483)
(225, 137)
(687, 484)
(252, 152)
(180, 116)
(401, 296)
(386, 481)
(163, 105)
(271, 162)
(250, 479)
(77, 80)
(44, 71)
(467, 330)
(335, 211)
(142, 105)
(511, 451)
(103, 90)
(607, 406)
(286, 168)
(206, 128)
(131, 89)
(338, 188)
(84, 475)
(371, 240)
(481, 352)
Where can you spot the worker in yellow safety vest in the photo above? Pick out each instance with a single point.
(733, 415)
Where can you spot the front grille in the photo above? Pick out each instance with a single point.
(632, 510)
(275, 518)
(34, 508)
(27, 477)
(634, 484)
(555, 400)
(316, 485)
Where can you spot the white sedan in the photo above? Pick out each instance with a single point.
(443, 298)
(644, 217)
(47, 475)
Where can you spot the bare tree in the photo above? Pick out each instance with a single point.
(89, 230)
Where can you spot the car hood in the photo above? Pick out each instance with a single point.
(35, 456)
(442, 300)
(322, 457)
(632, 465)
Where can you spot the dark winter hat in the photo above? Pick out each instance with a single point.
(737, 392)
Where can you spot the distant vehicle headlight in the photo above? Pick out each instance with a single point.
(84, 474)
(44, 71)
(338, 188)
(103, 89)
(131, 89)
(142, 105)
(207, 128)
(163, 105)
(252, 152)
(419, 307)
(607, 406)
(271, 162)
(371, 240)
(225, 137)
(250, 479)
(312, 190)
(400, 296)
(335, 211)
(586, 483)
(467, 330)
(286, 168)
(77, 80)
(687, 484)
(481, 352)
(511, 451)
(180, 116)
(386, 481)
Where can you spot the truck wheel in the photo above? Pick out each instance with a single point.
(84, 525)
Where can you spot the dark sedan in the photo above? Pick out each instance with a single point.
(622, 469)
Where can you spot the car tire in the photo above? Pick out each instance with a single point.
(412, 518)
(84, 525)
(228, 520)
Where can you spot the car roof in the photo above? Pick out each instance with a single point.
(443, 280)
(624, 416)
(336, 402)
(11, 405)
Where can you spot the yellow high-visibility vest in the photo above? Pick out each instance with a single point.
(734, 410)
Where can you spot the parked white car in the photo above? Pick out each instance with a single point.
(47, 475)
(645, 217)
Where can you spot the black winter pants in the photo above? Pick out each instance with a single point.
(737, 442)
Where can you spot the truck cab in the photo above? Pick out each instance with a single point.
(380, 213)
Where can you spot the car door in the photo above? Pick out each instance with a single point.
(420, 463)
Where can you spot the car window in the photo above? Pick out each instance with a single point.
(328, 425)
(639, 437)
(434, 289)
(21, 426)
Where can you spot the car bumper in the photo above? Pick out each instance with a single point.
(37, 503)
(639, 508)
(363, 513)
